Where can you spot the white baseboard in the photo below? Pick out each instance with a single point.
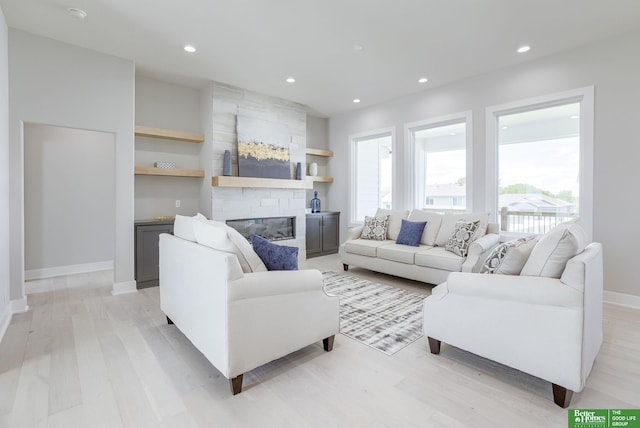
(622, 299)
(19, 305)
(67, 270)
(5, 319)
(123, 288)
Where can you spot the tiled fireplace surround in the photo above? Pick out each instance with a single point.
(240, 203)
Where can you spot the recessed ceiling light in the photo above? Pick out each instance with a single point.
(452, 133)
(189, 48)
(77, 13)
(357, 47)
(575, 116)
(356, 100)
(523, 49)
(423, 80)
(290, 80)
(504, 127)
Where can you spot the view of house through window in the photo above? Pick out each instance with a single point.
(373, 174)
(440, 179)
(538, 168)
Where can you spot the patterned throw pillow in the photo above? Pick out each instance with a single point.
(375, 228)
(462, 237)
(509, 257)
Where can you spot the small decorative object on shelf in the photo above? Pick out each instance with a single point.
(299, 171)
(315, 203)
(226, 163)
(313, 169)
(164, 164)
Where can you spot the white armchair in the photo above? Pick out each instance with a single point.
(240, 321)
(550, 328)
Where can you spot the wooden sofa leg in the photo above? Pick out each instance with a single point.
(345, 267)
(561, 395)
(434, 345)
(328, 343)
(236, 385)
(169, 321)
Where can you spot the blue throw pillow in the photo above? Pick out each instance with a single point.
(411, 232)
(275, 257)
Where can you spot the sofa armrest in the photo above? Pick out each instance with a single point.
(265, 284)
(514, 288)
(354, 232)
(478, 251)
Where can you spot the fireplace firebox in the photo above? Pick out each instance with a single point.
(271, 228)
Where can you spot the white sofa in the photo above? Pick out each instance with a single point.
(241, 320)
(429, 262)
(548, 326)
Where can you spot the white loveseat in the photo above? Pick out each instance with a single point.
(241, 320)
(429, 262)
(547, 323)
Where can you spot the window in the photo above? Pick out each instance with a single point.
(541, 160)
(439, 163)
(371, 184)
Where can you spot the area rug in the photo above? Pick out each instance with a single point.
(383, 317)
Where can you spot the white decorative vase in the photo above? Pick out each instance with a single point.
(313, 169)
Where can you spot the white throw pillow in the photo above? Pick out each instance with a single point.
(509, 257)
(449, 224)
(551, 253)
(462, 237)
(434, 220)
(219, 236)
(375, 228)
(183, 226)
(395, 221)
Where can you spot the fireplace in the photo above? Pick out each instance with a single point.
(271, 228)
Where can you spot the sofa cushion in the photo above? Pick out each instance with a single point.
(398, 252)
(439, 258)
(509, 257)
(434, 220)
(463, 235)
(375, 228)
(395, 221)
(550, 255)
(449, 221)
(183, 226)
(219, 236)
(364, 247)
(274, 256)
(411, 232)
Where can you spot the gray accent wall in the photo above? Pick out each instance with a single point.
(164, 105)
(58, 84)
(5, 304)
(611, 66)
(68, 198)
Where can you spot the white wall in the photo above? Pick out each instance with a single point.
(58, 84)
(68, 198)
(612, 66)
(5, 305)
(165, 105)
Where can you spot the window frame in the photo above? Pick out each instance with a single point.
(465, 117)
(353, 167)
(584, 96)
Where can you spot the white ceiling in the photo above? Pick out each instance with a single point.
(256, 44)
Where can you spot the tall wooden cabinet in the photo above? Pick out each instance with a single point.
(323, 233)
(147, 236)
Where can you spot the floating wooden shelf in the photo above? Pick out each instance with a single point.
(170, 134)
(318, 152)
(322, 179)
(270, 183)
(171, 172)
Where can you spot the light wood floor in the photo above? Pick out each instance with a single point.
(83, 358)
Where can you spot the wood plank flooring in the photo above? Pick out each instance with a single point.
(83, 358)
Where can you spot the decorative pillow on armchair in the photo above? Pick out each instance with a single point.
(509, 257)
(274, 256)
(463, 235)
(375, 228)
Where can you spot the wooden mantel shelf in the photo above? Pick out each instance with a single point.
(270, 183)
(170, 134)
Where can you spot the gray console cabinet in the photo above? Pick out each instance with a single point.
(147, 235)
(323, 233)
